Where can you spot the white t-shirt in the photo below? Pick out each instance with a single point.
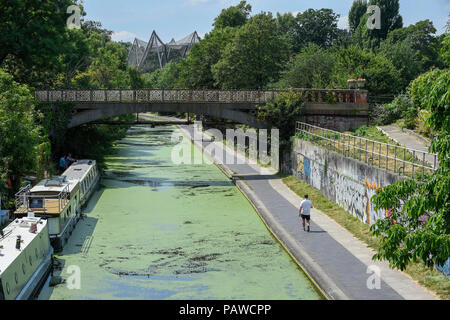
(306, 207)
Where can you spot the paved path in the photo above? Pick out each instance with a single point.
(336, 260)
(408, 140)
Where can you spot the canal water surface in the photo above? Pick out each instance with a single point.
(156, 230)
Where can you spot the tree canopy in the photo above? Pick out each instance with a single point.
(418, 224)
(357, 11)
(20, 137)
(254, 57)
(233, 16)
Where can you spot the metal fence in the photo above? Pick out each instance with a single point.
(25, 201)
(407, 162)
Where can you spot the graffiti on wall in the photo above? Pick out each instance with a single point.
(372, 214)
(350, 195)
(353, 195)
(316, 175)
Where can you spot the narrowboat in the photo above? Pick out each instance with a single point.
(59, 199)
(25, 258)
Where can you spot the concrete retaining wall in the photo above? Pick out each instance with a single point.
(348, 182)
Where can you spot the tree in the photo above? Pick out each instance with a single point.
(254, 57)
(418, 224)
(20, 137)
(282, 113)
(311, 68)
(445, 50)
(357, 11)
(354, 62)
(234, 16)
(286, 24)
(33, 34)
(196, 70)
(168, 77)
(316, 26)
(390, 21)
(108, 69)
(407, 60)
(420, 37)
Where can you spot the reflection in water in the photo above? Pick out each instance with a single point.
(162, 231)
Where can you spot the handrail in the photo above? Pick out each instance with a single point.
(23, 196)
(185, 96)
(342, 143)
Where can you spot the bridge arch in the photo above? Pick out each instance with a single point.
(103, 111)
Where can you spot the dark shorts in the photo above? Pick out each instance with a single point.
(306, 216)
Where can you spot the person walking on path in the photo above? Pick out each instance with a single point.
(305, 212)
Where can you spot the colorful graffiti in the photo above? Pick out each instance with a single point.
(353, 195)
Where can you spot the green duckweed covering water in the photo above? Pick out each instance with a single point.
(156, 230)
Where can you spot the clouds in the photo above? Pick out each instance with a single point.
(123, 36)
(343, 23)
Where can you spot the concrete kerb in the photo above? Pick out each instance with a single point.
(325, 285)
(314, 272)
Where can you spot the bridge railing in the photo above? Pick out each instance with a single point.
(404, 161)
(198, 96)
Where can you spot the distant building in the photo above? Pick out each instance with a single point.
(154, 54)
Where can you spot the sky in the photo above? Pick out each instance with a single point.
(178, 18)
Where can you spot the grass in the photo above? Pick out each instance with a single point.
(429, 278)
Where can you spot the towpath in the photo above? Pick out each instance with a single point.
(338, 262)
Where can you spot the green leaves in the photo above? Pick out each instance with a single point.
(282, 113)
(19, 136)
(419, 224)
(233, 16)
(254, 57)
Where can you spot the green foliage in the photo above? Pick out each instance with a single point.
(399, 108)
(33, 34)
(167, 77)
(445, 50)
(20, 137)
(311, 68)
(418, 225)
(407, 60)
(108, 69)
(282, 113)
(316, 26)
(355, 62)
(254, 57)
(233, 16)
(286, 24)
(196, 72)
(420, 37)
(390, 20)
(95, 141)
(357, 11)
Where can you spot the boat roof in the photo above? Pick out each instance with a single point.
(19, 227)
(54, 184)
(79, 169)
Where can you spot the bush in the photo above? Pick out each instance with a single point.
(282, 113)
(411, 118)
(401, 107)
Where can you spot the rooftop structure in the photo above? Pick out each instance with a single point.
(154, 54)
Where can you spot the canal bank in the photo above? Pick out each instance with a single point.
(157, 230)
(340, 264)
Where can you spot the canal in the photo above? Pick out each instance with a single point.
(156, 230)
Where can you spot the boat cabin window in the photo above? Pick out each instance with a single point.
(36, 203)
